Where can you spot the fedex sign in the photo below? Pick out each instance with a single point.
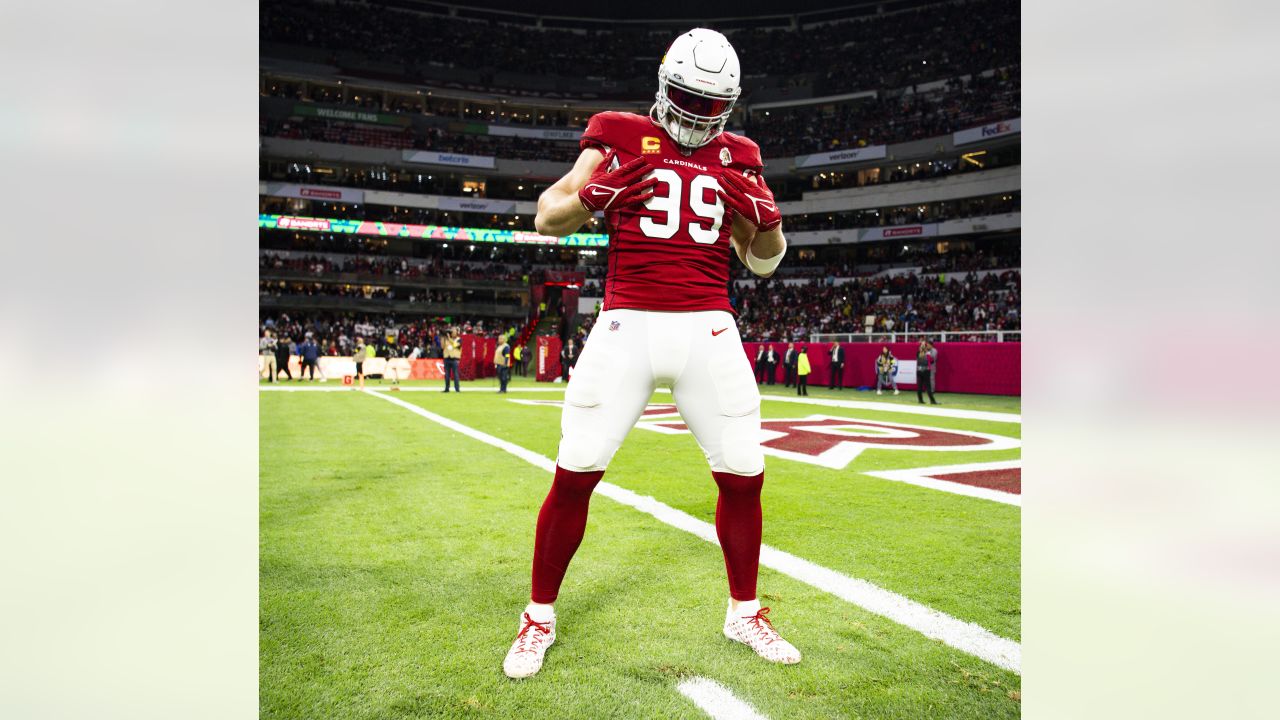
(986, 132)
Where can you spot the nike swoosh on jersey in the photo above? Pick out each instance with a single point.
(717, 332)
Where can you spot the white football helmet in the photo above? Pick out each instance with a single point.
(698, 84)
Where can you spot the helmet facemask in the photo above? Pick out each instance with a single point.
(692, 117)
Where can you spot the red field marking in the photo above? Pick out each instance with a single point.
(1008, 480)
(834, 442)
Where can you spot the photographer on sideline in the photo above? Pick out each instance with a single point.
(452, 351)
(886, 370)
(502, 363)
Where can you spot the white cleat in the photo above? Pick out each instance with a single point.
(525, 656)
(877, 392)
(756, 632)
(895, 391)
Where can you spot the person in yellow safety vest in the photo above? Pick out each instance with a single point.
(516, 355)
(802, 372)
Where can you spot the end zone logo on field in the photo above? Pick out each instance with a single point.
(834, 442)
(828, 440)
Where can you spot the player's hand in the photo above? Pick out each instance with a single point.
(753, 201)
(620, 188)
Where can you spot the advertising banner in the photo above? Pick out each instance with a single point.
(431, 157)
(536, 132)
(465, 204)
(349, 115)
(332, 368)
(965, 367)
(313, 192)
(874, 152)
(986, 132)
(907, 372)
(427, 232)
(548, 367)
(905, 232)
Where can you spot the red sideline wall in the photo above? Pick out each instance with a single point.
(477, 357)
(546, 358)
(986, 368)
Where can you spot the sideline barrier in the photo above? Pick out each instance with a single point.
(334, 367)
(984, 368)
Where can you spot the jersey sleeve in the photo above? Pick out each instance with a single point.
(751, 155)
(599, 133)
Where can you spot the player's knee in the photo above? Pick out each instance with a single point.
(582, 452)
(740, 450)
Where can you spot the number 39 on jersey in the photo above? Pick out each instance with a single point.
(674, 254)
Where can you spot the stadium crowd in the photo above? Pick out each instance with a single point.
(335, 333)
(876, 121)
(959, 104)
(285, 288)
(886, 216)
(912, 302)
(905, 215)
(410, 138)
(881, 51)
(393, 267)
(925, 260)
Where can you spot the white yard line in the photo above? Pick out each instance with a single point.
(964, 636)
(716, 700)
(921, 477)
(899, 408)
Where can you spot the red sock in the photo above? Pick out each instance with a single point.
(561, 524)
(739, 525)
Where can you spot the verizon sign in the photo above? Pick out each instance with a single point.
(484, 205)
(874, 152)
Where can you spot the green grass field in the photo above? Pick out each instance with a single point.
(395, 559)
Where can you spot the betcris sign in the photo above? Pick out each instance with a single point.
(986, 132)
(429, 157)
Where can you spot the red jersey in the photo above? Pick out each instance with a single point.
(675, 256)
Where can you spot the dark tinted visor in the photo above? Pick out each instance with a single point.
(696, 104)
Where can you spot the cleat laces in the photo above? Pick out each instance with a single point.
(761, 626)
(528, 642)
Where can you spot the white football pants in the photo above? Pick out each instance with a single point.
(631, 352)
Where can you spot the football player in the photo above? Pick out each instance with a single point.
(677, 192)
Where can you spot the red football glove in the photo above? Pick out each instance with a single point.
(618, 189)
(753, 201)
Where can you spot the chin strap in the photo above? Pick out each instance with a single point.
(684, 150)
